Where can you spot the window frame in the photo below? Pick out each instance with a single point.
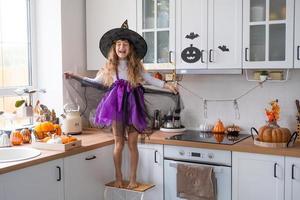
(10, 91)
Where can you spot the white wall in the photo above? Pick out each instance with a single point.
(60, 47)
(73, 39)
(49, 52)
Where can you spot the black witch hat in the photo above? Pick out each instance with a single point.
(123, 33)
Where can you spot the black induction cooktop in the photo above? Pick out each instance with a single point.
(208, 137)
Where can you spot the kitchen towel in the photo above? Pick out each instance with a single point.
(196, 182)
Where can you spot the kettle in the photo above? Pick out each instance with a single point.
(71, 122)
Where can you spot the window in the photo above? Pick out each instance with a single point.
(15, 52)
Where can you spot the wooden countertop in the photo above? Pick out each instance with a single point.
(93, 139)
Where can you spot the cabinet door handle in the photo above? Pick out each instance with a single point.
(246, 54)
(91, 157)
(155, 156)
(210, 55)
(275, 174)
(298, 52)
(201, 60)
(170, 56)
(59, 173)
(293, 171)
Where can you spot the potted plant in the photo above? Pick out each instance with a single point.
(263, 75)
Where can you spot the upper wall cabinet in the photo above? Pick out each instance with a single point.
(208, 34)
(268, 33)
(101, 16)
(156, 23)
(297, 35)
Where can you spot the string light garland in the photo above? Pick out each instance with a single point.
(233, 100)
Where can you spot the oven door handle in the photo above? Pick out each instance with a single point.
(216, 170)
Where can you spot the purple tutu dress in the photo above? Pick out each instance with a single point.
(123, 105)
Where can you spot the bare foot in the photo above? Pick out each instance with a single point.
(118, 184)
(132, 185)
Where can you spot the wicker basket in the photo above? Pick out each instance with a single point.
(257, 142)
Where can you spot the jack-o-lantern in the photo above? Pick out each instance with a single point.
(191, 54)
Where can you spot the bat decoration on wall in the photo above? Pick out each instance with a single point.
(191, 54)
(223, 48)
(192, 36)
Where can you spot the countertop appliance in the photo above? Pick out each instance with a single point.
(208, 137)
(71, 123)
(218, 159)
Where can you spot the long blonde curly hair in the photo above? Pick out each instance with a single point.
(134, 67)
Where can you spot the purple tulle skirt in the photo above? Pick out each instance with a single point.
(123, 105)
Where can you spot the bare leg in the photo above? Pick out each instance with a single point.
(134, 158)
(119, 144)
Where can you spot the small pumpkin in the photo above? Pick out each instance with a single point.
(68, 139)
(42, 129)
(57, 129)
(26, 134)
(16, 138)
(219, 127)
(273, 133)
(233, 130)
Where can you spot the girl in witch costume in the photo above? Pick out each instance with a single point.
(123, 106)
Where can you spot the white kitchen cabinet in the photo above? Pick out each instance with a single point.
(292, 178)
(1, 187)
(156, 23)
(257, 176)
(208, 34)
(87, 173)
(101, 16)
(297, 35)
(268, 33)
(43, 181)
(150, 169)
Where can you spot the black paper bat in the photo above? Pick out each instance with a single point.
(223, 48)
(192, 36)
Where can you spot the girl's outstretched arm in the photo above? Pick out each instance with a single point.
(159, 83)
(85, 81)
(70, 75)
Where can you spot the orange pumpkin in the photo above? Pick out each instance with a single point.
(42, 129)
(68, 139)
(16, 138)
(219, 127)
(26, 134)
(273, 133)
(57, 129)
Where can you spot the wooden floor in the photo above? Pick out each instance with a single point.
(142, 187)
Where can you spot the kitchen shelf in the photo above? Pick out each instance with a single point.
(251, 75)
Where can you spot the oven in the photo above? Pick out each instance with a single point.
(218, 159)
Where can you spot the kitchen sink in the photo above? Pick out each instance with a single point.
(11, 154)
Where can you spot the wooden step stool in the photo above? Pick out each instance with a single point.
(113, 193)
